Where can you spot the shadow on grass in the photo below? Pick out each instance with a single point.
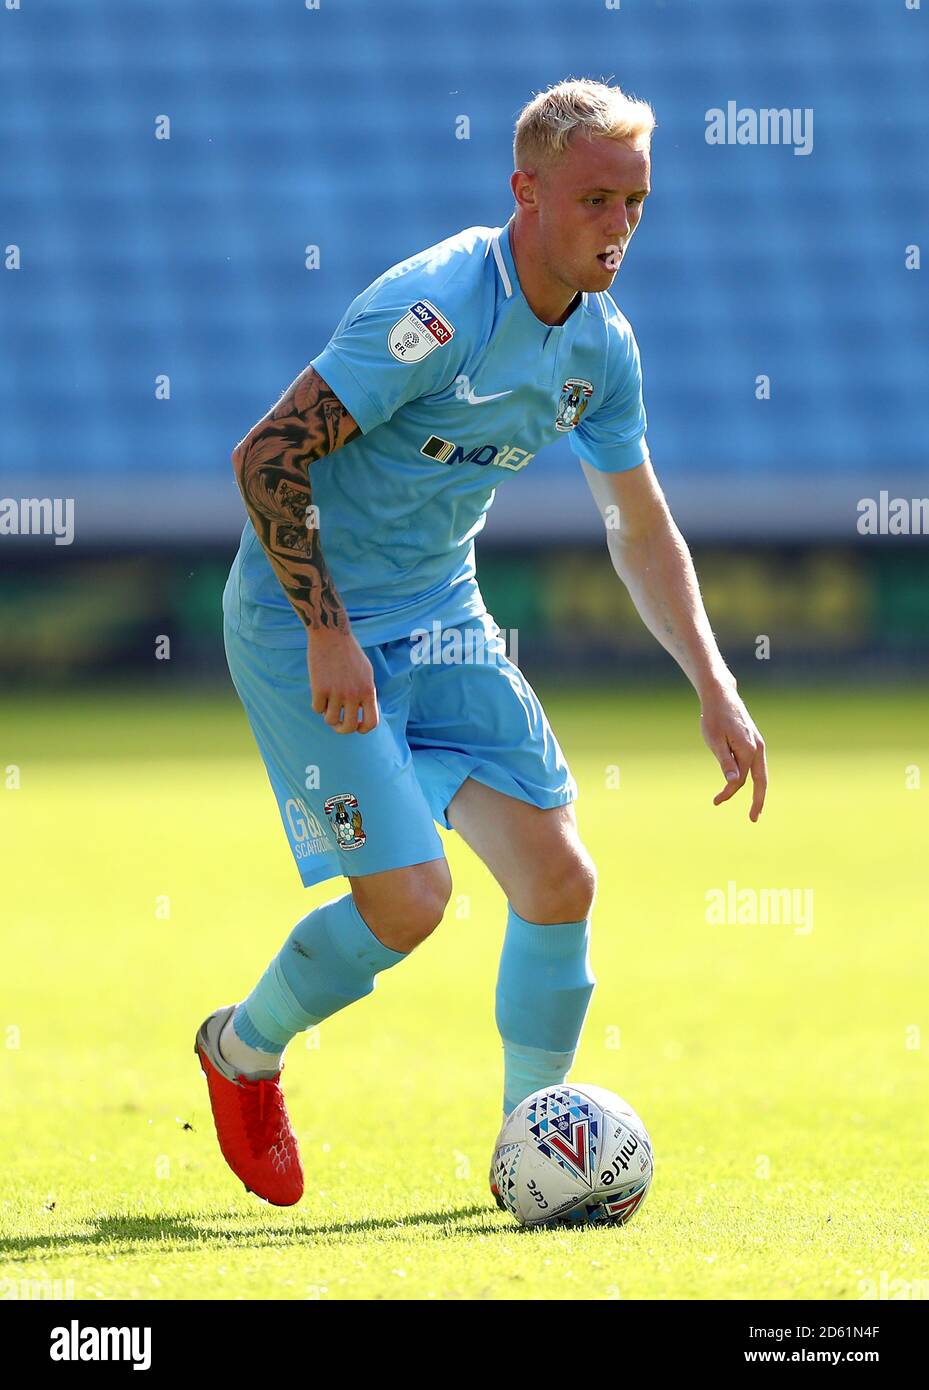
(189, 1228)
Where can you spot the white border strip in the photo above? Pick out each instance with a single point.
(498, 257)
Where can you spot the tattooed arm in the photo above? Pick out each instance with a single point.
(272, 467)
(652, 559)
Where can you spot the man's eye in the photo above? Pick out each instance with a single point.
(595, 200)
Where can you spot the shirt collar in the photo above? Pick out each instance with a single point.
(502, 251)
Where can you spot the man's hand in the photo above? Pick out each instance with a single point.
(730, 733)
(341, 680)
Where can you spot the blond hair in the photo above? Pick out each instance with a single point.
(547, 122)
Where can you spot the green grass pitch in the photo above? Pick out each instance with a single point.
(783, 1073)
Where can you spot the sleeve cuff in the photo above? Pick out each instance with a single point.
(612, 458)
(341, 380)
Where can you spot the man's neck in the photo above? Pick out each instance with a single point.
(549, 299)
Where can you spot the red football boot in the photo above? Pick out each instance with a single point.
(251, 1120)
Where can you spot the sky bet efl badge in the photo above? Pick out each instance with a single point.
(419, 332)
(574, 397)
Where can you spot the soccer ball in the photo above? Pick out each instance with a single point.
(572, 1155)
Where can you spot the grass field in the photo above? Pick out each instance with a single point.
(146, 880)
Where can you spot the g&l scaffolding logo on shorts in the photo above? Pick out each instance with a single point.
(421, 330)
(307, 836)
(345, 819)
(574, 397)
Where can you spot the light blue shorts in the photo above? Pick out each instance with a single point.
(362, 803)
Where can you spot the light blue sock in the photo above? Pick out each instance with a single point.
(329, 960)
(543, 990)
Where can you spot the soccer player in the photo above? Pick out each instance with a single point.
(365, 486)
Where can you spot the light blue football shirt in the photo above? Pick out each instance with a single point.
(456, 386)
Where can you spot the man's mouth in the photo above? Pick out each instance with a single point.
(610, 258)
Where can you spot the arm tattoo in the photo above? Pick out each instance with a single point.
(272, 469)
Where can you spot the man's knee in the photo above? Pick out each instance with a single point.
(562, 888)
(404, 906)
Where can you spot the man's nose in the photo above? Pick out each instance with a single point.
(620, 228)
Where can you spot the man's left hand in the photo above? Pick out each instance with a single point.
(731, 734)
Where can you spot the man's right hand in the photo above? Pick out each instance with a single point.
(341, 681)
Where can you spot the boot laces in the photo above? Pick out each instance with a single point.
(264, 1104)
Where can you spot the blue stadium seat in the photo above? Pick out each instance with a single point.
(335, 128)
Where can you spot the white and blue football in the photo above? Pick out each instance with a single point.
(573, 1155)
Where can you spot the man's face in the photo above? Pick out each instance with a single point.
(587, 206)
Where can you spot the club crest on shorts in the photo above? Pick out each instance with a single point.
(574, 397)
(345, 818)
(421, 330)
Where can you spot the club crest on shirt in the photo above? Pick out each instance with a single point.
(345, 818)
(574, 397)
(421, 330)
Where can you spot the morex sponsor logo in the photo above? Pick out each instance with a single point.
(500, 455)
(420, 331)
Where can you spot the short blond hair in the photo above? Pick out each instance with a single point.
(547, 122)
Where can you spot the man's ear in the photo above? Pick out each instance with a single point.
(525, 189)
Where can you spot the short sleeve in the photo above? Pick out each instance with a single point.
(390, 348)
(611, 436)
